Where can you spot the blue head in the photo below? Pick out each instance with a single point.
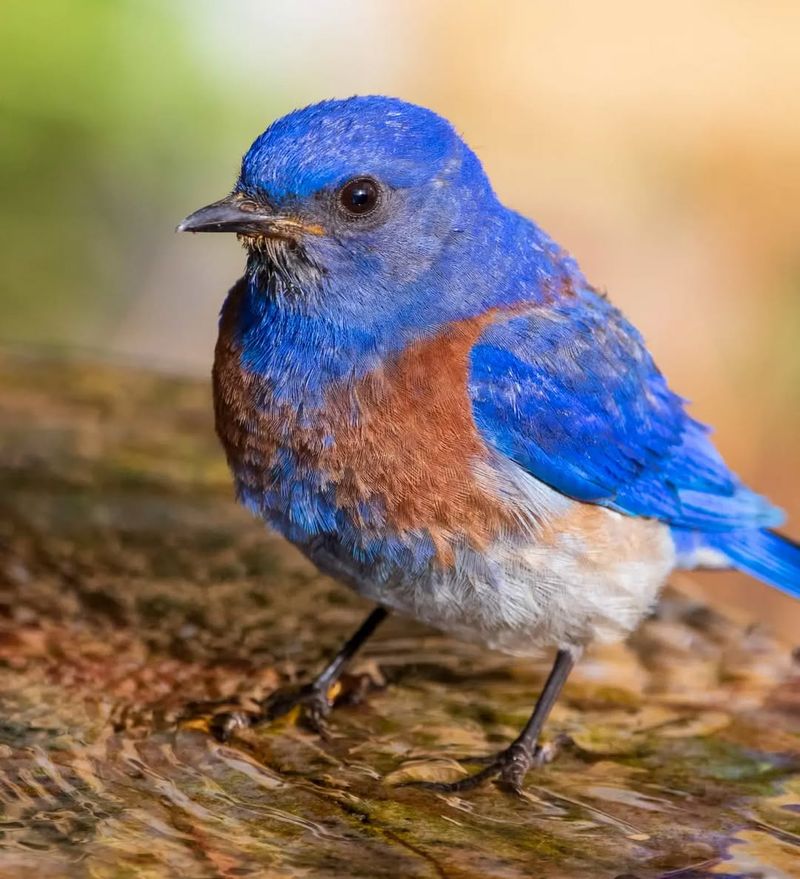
(372, 212)
(369, 224)
(379, 185)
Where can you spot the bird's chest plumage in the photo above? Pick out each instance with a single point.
(387, 452)
(385, 482)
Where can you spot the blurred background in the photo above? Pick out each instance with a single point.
(658, 143)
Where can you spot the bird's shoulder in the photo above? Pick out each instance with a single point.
(569, 392)
(569, 379)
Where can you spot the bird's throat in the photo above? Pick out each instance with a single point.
(281, 267)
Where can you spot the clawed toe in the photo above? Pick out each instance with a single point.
(498, 770)
(312, 703)
(223, 725)
(508, 768)
(456, 787)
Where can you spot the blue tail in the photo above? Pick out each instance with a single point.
(763, 554)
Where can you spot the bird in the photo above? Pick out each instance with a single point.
(419, 388)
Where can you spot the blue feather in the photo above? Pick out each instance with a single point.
(571, 394)
(564, 386)
(771, 557)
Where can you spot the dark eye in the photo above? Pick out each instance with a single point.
(359, 196)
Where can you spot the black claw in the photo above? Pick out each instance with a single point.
(313, 703)
(509, 767)
(457, 787)
(313, 699)
(223, 725)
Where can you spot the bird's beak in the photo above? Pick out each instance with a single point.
(236, 213)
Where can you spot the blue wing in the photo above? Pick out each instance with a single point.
(569, 392)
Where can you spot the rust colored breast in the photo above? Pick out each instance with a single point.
(248, 426)
(402, 438)
(415, 444)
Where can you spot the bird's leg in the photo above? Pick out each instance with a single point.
(315, 699)
(511, 765)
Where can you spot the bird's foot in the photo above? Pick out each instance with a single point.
(311, 703)
(307, 705)
(549, 750)
(508, 767)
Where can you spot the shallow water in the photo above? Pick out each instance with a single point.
(137, 598)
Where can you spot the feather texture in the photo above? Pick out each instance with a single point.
(435, 405)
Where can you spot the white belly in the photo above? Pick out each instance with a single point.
(581, 573)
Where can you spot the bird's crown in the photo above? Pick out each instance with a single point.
(328, 143)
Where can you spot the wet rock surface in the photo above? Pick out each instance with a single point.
(136, 599)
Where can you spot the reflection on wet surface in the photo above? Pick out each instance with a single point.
(133, 587)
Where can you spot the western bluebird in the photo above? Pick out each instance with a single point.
(418, 388)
